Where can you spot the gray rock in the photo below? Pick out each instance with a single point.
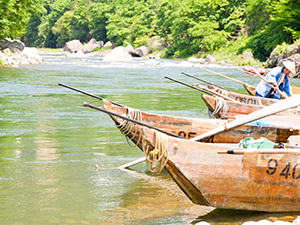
(118, 54)
(210, 59)
(143, 50)
(89, 47)
(32, 54)
(13, 45)
(108, 44)
(73, 46)
(136, 53)
(129, 48)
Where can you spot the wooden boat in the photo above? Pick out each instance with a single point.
(245, 99)
(225, 109)
(191, 127)
(264, 180)
(260, 180)
(251, 89)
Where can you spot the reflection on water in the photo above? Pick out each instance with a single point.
(50, 144)
(222, 216)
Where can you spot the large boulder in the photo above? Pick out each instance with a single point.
(276, 57)
(73, 46)
(119, 54)
(210, 59)
(129, 48)
(143, 50)
(33, 55)
(13, 45)
(27, 56)
(295, 58)
(108, 45)
(89, 47)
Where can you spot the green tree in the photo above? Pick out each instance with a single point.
(15, 14)
(54, 10)
(128, 20)
(200, 25)
(99, 20)
(282, 24)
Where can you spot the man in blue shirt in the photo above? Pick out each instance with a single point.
(279, 78)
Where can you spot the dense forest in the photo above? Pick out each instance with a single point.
(187, 27)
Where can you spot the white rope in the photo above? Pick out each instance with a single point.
(127, 127)
(221, 107)
(156, 158)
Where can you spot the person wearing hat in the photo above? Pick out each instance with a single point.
(279, 78)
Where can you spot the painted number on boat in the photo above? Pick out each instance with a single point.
(287, 171)
(194, 134)
(247, 100)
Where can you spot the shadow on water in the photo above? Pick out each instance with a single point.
(229, 216)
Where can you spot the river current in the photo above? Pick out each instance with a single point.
(58, 159)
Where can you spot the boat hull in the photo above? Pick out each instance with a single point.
(260, 182)
(191, 127)
(230, 110)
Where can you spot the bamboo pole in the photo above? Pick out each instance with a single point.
(221, 75)
(131, 120)
(85, 93)
(197, 78)
(203, 89)
(132, 163)
(283, 95)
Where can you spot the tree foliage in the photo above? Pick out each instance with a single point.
(186, 26)
(279, 22)
(15, 14)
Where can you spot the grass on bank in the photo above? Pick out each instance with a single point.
(233, 53)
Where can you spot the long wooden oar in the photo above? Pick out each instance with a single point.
(207, 82)
(256, 115)
(252, 73)
(132, 163)
(203, 89)
(221, 75)
(283, 95)
(248, 72)
(85, 93)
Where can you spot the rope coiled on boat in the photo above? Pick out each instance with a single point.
(221, 107)
(156, 158)
(126, 127)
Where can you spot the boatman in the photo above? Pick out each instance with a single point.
(279, 78)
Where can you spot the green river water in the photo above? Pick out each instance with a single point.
(50, 145)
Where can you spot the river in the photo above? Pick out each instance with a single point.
(58, 159)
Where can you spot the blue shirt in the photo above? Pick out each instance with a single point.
(263, 88)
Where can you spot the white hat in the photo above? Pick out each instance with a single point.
(290, 66)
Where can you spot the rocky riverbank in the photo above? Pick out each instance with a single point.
(14, 53)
